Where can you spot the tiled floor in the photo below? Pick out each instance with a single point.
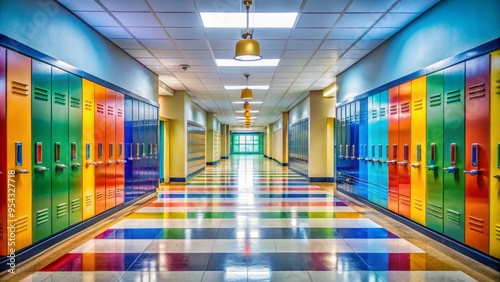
(249, 219)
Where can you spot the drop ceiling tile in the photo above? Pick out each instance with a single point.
(315, 68)
(300, 85)
(320, 62)
(282, 6)
(322, 6)
(179, 19)
(345, 62)
(303, 44)
(223, 33)
(139, 53)
(186, 33)
(272, 44)
(339, 44)
(189, 73)
(328, 54)
(412, 6)
(355, 54)
(317, 20)
(293, 62)
(82, 5)
(149, 61)
(369, 6)
(367, 44)
(128, 43)
(227, 75)
(224, 44)
(298, 54)
(192, 44)
(271, 33)
(282, 80)
(158, 44)
(137, 19)
(270, 53)
(97, 18)
(125, 5)
(205, 69)
(172, 6)
(188, 81)
(347, 33)
(148, 32)
(218, 6)
(358, 20)
(224, 54)
(165, 54)
(202, 62)
(306, 79)
(396, 19)
(309, 33)
(213, 75)
(380, 33)
(315, 74)
(197, 54)
(288, 71)
(172, 62)
(113, 32)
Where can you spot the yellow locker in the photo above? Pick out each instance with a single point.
(88, 149)
(19, 143)
(418, 141)
(495, 156)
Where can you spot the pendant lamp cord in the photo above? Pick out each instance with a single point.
(247, 34)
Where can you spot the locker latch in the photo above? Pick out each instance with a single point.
(453, 150)
(394, 155)
(368, 154)
(474, 160)
(405, 156)
(432, 166)
(419, 157)
(353, 157)
(341, 151)
(362, 152)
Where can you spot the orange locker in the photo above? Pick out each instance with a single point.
(393, 149)
(88, 168)
(404, 148)
(120, 149)
(19, 142)
(3, 154)
(110, 148)
(100, 143)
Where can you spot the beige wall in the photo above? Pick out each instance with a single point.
(224, 140)
(300, 111)
(166, 149)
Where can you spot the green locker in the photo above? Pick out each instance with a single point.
(75, 150)
(454, 152)
(42, 150)
(435, 85)
(60, 139)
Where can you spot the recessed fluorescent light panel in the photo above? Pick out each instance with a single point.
(253, 87)
(242, 102)
(252, 112)
(235, 63)
(257, 20)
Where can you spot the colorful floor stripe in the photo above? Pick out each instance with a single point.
(247, 219)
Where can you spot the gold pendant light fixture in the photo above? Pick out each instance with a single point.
(246, 94)
(247, 49)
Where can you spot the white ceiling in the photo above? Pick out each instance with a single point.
(328, 37)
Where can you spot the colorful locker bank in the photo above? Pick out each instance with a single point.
(433, 143)
(68, 161)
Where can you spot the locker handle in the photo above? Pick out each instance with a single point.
(130, 159)
(99, 163)
(431, 167)
(76, 165)
(353, 152)
(392, 162)
(21, 171)
(340, 151)
(403, 163)
(61, 166)
(472, 172)
(41, 169)
(91, 163)
(121, 161)
(415, 165)
(111, 162)
(376, 160)
(450, 169)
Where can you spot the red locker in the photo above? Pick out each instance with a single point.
(393, 149)
(404, 145)
(120, 149)
(110, 148)
(477, 142)
(3, 153)
(100, 143)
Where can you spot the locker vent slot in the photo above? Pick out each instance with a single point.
(75, 102)
(477, 91)
(110, 194)
(419, 204)
(75, 204)
(100, 108)
(42, 216)
(418, 104)
(453, 216)
(118, 191)
(119, 112)
(19, 88)
(99, 196)
(435, 210)
(435, 100)
(405, 200)
(89, 199)
(393, 109)
(498, 86)
(382, 112)
(89, 105)
(497, 231)
(60, 99)
(62, 210)
(41, 94)
(22, 224)
(476, 224)
(111, 110)
(374, 113)
(453, 96)
(405, 107)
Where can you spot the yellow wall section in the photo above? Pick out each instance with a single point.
(88, 136)
(495, 162)
(277, 141)
(19, 113)
(418, 136)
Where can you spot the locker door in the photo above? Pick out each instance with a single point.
(453, 146)
(19, 142)
(110, 148)
(336, 134)
(362, 145)
(60, 140)
(42, 150)
(147, 137)
(120, 149)
(3, 154)
(347, 144)
(88, 146)
(156, 148)
(372, 141)
(129, 149)
(418, 139)
(495, 156)
(404, 149)
(393, 149)
(374, 148)
(75, 149)
(340, 145)
(136, 174)
(477, 142)
(383, 138)
(355, 147)
(100, 151)
(142, 140)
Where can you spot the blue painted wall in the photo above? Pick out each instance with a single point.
(49, 28)
(447, 29)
